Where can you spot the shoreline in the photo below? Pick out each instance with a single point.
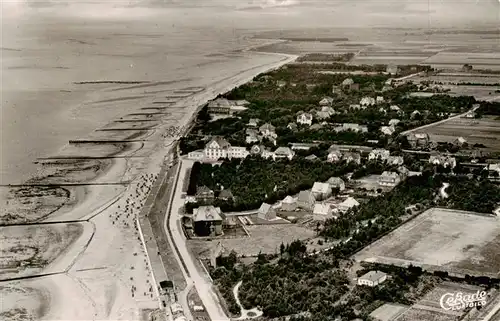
(151, 164)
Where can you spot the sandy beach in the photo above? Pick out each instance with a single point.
(106, 260)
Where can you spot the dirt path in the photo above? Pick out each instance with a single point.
(254, 312)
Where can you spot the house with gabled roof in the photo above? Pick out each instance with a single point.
(207, 221)
(442, 160)
(347, 82)
(253, 122)
(395, 108)
(326, 101)
(347, 204)
(418, 139)
(266, 212)
(334, 156)
(289, 204)
(389, 179)
(387, 130)
(352, 157)
(379, 153)
(216, 148)
(204, 194)
(353, 127)
(225, 195)
(322, 212)
(267, 130)
(367, 101)
(306, 200)
(283, 152)
(372, 278)
(321, 191)
(395, 160)
(305, 119)
(336, 183)
(394, 122)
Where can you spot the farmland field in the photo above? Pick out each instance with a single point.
(439, 239)
(484, 131)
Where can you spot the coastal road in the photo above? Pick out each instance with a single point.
(193, 276)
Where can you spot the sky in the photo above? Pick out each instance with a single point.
(361, 13)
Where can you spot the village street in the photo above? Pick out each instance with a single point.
(177, 239)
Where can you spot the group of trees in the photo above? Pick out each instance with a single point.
(287, 285)
(255, 180)
(296, 282)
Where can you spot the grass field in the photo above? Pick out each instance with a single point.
(454, 241)
(484, 131)
(263, 238)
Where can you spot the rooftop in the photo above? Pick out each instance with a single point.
(320, 187)
(207, 213)
(373, 276)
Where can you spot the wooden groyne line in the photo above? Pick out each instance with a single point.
(42, 223)
(164, 102)
(123, 129)
(145, 114)
(19, 278)
(124, 183)
(134, 120)
(86, 157)
(93, 141)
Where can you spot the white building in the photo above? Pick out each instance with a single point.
(352, 157)
(253, 122)
(347, 204)
(268, 130)
(334, 156)
(353, 127)
(442, 160)
(395, 108)
(321, 191)
(306, 200)
(237, 152)
(387, 130)
(395, 160)
(327, 101)
(219, 148)
(336, 182)
(283, 152)
(328, 110)
(347, 82)
(216, 148)
(380, 154)
(289, 204)
(266, 212)
(252, 136)
(322, 211)
(197, 155)
(414, 113)
(392, 69)
(394, 122)
(372, 278)
(367, 101)
(305, 119)
(380, 99)
(389, 179)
